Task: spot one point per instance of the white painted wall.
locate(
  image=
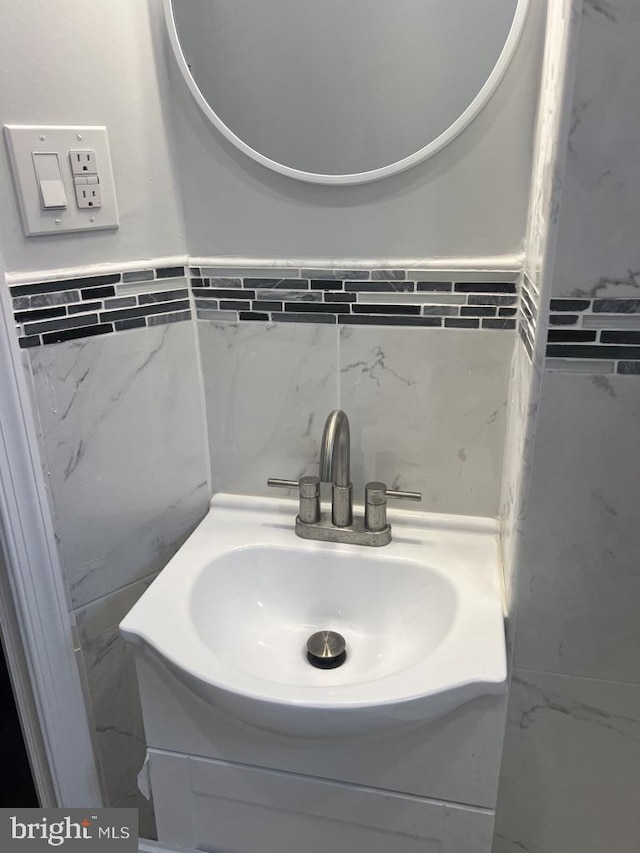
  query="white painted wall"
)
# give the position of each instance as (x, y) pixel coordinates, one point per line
(90, 63)
(469, 200)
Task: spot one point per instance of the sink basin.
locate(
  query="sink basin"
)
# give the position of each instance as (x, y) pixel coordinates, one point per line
(422, 619)
(261, 603)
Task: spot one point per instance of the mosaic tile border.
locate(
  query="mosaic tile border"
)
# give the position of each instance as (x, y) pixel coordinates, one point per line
(49, 312)
(528, 314)
(389, 297)
(596, 335)
(585, 335)
(599, 335)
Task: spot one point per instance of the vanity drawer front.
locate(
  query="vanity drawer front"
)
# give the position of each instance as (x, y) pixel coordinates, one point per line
(228, 808)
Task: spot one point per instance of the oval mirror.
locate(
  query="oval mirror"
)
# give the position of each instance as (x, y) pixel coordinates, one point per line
(343, 91)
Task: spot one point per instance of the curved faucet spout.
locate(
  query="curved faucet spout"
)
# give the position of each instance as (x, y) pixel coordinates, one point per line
(335, 451)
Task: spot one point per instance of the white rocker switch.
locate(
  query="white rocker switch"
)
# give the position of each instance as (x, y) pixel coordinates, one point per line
(49, 178)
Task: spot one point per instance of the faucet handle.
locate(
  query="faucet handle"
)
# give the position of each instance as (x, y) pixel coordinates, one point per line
(309, 488)
(404, 496)
(377, 493)
(278, 483)
(375, 504)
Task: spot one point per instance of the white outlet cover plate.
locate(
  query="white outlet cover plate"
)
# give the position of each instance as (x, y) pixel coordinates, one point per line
(23, 140)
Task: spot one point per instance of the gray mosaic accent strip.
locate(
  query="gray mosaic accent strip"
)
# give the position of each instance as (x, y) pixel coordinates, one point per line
(389, 297)
(528, 314)
(49, 312)
(594, 335)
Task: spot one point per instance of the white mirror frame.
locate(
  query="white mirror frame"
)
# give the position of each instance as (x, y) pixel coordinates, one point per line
(429, 150)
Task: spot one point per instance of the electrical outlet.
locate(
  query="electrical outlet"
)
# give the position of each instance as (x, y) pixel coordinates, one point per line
(83, 162)
(88, 192)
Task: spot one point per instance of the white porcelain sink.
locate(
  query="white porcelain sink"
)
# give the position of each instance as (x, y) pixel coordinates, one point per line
(422, 617)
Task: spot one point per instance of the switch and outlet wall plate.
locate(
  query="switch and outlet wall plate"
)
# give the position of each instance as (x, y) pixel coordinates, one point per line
(83, 155)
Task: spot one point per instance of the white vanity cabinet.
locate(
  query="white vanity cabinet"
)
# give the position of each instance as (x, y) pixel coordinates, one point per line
(223, 786)
(230, 808)
(253, 750)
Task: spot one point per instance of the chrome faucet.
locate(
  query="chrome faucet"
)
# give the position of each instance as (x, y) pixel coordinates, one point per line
(335, 458)
(335, 463)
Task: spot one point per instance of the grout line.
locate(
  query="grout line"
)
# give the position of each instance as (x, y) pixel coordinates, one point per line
(577, 677)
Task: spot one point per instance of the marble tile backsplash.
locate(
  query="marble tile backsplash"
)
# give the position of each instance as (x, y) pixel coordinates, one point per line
(427, 409)
(123, 439)
(267, 391)
(428, 413)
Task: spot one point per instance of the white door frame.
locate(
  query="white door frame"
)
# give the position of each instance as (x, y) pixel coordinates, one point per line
(37, 629)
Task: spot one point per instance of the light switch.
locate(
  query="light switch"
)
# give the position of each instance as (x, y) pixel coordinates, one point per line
(49, 178)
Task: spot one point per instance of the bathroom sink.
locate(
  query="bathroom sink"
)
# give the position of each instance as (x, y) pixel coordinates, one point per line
(231, 613)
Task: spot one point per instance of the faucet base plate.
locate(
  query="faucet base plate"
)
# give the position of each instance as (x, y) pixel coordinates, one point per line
(355, 534)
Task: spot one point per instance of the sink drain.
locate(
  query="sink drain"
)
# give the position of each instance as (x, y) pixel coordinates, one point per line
(326, 649)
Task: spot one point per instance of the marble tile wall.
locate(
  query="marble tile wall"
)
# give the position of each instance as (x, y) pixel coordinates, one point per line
(552, 127)
(427, 407)
(122, 433)
(598, 252)
(580, 576)
(112, 689)
(122, 436)
(569, 778)
(570, 766)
